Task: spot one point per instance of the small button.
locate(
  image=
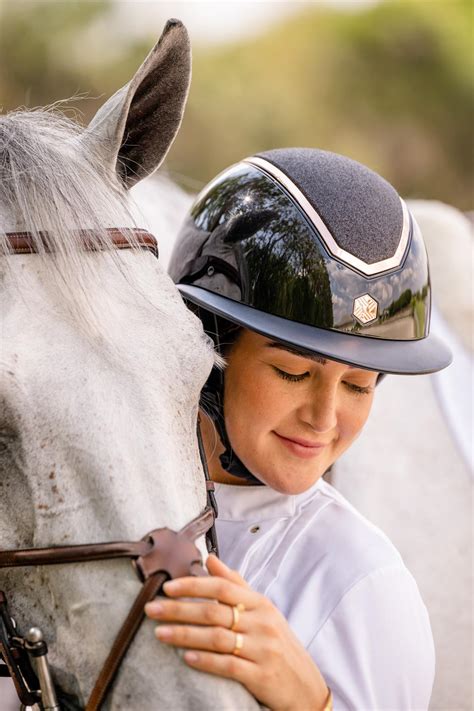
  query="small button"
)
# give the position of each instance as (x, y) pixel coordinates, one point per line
(210, 271)
(255, 529)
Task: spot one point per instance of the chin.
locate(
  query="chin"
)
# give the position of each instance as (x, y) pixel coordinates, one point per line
(289, 485)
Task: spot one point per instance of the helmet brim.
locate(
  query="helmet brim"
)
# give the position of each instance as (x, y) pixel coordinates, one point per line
(415, 357)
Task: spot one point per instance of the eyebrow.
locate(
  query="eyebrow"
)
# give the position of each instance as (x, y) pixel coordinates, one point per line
(302, 354)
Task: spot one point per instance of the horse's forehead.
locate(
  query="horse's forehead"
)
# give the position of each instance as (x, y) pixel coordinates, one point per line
(158, 346)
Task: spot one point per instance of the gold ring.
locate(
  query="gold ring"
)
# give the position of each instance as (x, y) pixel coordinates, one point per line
(328, 704)
(236, 610)
(239, 643)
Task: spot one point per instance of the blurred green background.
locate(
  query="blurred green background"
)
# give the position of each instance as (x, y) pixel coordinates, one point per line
(389, 83)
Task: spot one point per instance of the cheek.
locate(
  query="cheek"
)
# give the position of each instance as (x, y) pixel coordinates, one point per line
(353, 416)
(251, 404)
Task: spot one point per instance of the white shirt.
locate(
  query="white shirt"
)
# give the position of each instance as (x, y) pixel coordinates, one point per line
(341, 585)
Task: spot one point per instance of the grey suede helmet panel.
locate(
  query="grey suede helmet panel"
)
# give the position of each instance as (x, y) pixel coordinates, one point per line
(362, 211)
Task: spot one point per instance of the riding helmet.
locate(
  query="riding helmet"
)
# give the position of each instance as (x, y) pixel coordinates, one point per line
(316, 251)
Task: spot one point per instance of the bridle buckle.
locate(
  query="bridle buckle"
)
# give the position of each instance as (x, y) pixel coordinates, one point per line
(169, 553)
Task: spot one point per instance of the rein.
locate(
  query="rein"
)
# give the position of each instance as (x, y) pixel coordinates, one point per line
(159, 556)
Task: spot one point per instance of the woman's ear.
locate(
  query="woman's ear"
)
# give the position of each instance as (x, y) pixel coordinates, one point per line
(134, 129)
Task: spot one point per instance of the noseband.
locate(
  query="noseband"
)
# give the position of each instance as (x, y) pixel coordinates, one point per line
(161, 555)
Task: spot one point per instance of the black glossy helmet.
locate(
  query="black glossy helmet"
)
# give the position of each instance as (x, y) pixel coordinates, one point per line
(317, 251)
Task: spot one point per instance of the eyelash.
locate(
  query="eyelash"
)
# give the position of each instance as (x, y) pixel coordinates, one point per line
(356, 389)
(288, 376)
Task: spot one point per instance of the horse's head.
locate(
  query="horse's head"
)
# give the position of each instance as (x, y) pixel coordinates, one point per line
(102, 366)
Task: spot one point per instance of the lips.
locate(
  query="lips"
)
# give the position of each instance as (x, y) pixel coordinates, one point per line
(303, 448)
(302, 442)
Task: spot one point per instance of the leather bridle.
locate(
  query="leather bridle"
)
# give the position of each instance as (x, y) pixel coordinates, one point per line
(161, 555)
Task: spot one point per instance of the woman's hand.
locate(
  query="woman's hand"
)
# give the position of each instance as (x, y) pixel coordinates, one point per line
(271, 663)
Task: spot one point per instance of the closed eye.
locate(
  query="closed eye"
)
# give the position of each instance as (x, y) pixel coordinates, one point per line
(290, 376)
(358, 389)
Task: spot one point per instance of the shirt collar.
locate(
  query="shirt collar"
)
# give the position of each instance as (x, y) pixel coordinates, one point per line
(251, 503)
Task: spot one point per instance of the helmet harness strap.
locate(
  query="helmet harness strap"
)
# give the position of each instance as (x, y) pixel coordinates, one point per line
(213, 402)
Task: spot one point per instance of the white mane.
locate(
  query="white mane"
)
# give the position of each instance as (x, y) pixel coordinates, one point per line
(53, 186)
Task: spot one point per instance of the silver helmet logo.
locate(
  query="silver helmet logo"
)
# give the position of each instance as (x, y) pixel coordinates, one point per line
(365, 309)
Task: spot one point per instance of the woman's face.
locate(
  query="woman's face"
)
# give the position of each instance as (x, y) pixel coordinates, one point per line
(290, 416)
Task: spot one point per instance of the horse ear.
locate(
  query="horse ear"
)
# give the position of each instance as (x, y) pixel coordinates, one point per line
(134, 129)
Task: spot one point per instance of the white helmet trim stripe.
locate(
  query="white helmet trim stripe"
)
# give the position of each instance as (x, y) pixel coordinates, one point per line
(368, 269)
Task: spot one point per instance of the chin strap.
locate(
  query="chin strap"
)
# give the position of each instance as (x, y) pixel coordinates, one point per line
(212, 402)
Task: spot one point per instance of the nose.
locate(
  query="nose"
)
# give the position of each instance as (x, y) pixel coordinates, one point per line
(319, 410)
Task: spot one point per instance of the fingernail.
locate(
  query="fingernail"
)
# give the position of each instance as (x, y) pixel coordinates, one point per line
(163, 632)
(171, 586)
(153, 608)
(191, 657)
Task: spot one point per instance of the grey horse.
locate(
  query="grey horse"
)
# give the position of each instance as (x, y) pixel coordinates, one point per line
(101, 370)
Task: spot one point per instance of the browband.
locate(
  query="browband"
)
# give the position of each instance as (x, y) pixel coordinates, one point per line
(26, 242)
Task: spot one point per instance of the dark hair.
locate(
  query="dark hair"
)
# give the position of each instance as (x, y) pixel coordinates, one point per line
(223, 332)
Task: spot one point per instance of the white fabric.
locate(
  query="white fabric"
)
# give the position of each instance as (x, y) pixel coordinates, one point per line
(454, 389)
(341, 585)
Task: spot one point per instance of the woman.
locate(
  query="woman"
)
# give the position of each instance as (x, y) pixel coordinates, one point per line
(311, 277)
